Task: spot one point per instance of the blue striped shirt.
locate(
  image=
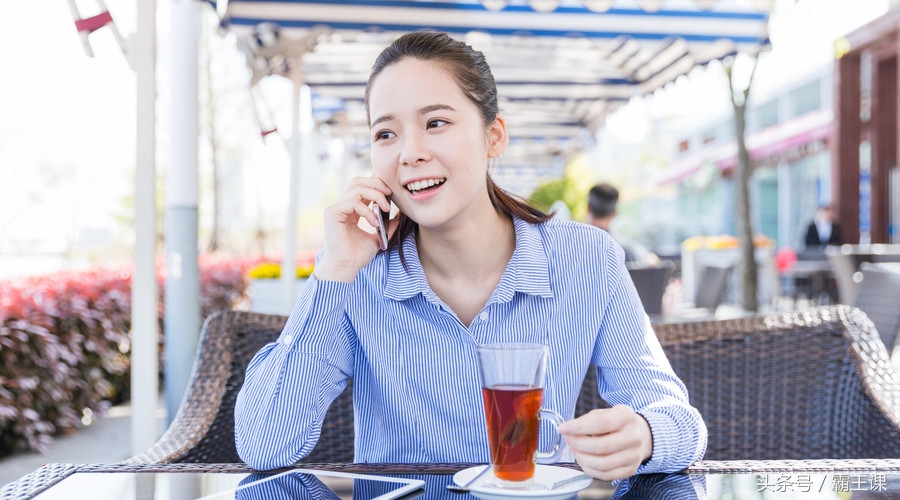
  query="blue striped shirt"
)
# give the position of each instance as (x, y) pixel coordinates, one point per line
(417, 395)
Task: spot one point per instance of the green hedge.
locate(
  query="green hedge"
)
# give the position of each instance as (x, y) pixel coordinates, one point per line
(65, 344)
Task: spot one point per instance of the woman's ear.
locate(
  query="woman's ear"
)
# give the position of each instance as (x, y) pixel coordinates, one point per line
(498, 136)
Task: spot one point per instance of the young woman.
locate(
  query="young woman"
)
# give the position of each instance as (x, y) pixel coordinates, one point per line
(466, 264)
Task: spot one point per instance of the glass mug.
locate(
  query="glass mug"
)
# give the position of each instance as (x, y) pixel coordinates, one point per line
(512, 381)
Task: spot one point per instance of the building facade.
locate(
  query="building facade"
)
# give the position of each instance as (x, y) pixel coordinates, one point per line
(865, 147)
(788, 135)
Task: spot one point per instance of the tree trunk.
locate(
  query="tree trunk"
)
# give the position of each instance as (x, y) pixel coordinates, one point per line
(742, 175)
(214, 237)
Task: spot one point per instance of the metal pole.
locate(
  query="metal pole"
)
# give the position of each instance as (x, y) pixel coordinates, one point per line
(182, 293)
(144, 323)
(301, 159)
(288, 265)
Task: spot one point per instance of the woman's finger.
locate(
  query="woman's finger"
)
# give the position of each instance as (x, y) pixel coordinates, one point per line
(368, 194)
(609, 467)
(594, 445)
(595, 422)
(372, 183)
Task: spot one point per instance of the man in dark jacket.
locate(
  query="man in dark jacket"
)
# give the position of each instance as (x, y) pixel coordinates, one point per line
(822, 230)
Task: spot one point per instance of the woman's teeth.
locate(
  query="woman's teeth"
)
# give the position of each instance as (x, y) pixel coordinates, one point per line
(417, 186)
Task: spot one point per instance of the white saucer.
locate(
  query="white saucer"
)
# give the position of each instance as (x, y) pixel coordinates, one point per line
(544, 477)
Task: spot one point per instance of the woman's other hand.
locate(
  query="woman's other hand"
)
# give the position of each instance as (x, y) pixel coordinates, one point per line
(348, 247)
(609, 443)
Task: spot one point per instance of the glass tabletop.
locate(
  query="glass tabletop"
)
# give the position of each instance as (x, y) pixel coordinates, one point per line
(210, 483)
(141, 486)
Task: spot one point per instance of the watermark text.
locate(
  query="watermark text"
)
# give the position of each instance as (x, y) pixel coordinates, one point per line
(805, 483)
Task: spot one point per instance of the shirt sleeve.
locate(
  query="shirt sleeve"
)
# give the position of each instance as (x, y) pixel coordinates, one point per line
(634, 371)
(290, 383)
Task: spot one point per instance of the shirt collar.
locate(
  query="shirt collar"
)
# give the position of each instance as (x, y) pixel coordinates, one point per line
(528, 270)
(405, 283)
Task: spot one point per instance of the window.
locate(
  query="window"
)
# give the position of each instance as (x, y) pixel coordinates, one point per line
(764, 115)
(806, 98)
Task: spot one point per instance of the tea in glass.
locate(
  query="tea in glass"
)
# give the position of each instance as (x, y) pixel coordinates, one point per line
(512, 377)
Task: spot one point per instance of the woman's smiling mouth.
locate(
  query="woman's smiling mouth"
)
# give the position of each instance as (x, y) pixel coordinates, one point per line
(417, 187)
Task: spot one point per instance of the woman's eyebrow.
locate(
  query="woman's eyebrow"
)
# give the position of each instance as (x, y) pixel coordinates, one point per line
(435, 107)
(380, 119)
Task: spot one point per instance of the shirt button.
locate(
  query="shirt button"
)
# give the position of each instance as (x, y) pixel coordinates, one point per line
(483, 316)
(288, 338)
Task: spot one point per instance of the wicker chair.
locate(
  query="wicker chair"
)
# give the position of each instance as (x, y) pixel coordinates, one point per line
(877, 295)
(711, 288)
(651, 282)
(810, 384)
(203, 428)
(844, 265)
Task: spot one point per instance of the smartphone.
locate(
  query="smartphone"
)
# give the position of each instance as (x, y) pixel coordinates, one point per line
(382, 223)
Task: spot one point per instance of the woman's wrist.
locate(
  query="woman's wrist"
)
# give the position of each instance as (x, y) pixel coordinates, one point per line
(647, 442)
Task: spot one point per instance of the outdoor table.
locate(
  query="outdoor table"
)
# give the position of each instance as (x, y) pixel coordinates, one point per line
(818, 273)
(706, 479)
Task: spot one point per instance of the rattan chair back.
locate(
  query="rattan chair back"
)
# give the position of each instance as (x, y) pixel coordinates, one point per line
(843, 266)
(651, 283)
(877, 295)
(711, 288)
(203, 429)
(812, 384)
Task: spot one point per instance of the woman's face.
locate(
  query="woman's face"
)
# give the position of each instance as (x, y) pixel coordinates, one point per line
(429, 143)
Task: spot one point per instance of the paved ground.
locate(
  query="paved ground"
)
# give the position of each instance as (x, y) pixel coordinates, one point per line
(106, 440)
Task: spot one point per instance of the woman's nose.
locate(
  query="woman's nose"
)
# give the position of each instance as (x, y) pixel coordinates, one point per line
(414, 151)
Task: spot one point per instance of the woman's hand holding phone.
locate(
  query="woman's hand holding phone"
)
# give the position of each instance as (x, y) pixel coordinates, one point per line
(347, 246)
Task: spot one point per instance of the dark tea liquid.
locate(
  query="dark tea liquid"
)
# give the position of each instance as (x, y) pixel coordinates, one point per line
(512, 425)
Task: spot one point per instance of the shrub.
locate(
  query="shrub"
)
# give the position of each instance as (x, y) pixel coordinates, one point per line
(65, 344)
(268, 269)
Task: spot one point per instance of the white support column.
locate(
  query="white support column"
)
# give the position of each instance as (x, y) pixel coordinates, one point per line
(299, 146)
(182, 293)
(144, 324)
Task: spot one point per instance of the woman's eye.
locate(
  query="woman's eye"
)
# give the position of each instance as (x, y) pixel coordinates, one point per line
(383, 134)
(436, 123)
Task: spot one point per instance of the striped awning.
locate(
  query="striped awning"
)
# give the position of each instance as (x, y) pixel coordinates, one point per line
(561, 66)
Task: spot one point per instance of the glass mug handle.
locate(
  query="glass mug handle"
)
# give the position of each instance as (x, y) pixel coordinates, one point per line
(555, 419)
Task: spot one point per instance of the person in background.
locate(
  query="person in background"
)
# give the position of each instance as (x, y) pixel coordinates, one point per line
(822, 230)
(602, 201)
